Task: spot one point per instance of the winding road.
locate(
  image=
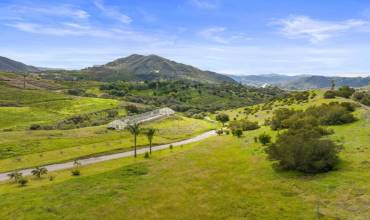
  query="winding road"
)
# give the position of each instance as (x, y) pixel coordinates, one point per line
(98, 159)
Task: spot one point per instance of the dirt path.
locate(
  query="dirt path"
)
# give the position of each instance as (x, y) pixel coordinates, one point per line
(97, 159)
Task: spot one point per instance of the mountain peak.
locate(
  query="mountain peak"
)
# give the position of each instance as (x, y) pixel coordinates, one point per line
(152, 67)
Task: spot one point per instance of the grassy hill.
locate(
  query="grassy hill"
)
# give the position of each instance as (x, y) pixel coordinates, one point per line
(223, 177)
(20, 108)
(8, 65)
(151, 67)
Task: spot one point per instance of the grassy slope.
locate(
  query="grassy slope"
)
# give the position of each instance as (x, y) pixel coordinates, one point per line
(42, 107)
(218, 178)
(31, 148)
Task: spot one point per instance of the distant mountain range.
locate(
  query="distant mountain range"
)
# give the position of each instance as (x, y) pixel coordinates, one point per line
(300, 81)
(151, 67)
(8, 65)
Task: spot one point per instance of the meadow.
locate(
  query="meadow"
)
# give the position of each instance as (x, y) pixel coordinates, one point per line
(19, 109)
(223, 177)
(21, 149)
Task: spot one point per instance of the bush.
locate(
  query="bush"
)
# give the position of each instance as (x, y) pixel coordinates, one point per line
(35, 127)
(362, 97)
(330, 94)
(303, 150)
(75, 172)
(279, 116)
(132, 109)
(237, 132)
(219, 132)
(244, 125)
(171, 147)
(264, 139)
(23, 181)
(345, 91)
(146, 155)
(76, 92)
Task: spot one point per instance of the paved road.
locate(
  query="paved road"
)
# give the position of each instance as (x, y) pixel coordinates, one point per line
(97, 159)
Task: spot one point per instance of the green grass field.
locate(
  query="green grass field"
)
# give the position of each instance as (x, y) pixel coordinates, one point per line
(223, 177)
(21, 149)
(43, 107)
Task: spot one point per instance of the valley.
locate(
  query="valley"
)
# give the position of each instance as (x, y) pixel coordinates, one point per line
(209, 160)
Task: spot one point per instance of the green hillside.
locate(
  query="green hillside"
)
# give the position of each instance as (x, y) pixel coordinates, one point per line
(223, 177)
(152, 67)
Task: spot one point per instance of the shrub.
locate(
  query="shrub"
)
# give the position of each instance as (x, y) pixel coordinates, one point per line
(349, 106)
(146, 155)
(303, 150)
(171, 147)
(219, 132)
(51, 178)
(112, 113)
(244, 125)
(35, 127)
(22, 182)
(264, 139)
(330, 94)
(237, 132)
(75, 172)
(362, 97)
(345, 91)
(279, 116)
(358, 96)
(132, 109)
(76, 92)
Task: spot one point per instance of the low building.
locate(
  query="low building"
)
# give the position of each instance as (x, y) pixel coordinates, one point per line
(121, 124)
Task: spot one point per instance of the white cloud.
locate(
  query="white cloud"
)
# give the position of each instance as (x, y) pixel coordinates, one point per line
(57, 10)
(65, 29)
(219, 35)
(205, 4)
(78, 30)
(317, 30)
(112, 12)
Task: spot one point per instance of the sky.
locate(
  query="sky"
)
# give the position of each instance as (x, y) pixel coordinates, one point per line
(243, 37)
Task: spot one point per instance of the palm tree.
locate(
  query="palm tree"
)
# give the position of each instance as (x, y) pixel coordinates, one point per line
(150, 134)
(135, 131)
(15, 175)
(39, 171)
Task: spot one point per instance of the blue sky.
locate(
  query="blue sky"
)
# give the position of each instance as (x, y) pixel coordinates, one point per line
(328, 37)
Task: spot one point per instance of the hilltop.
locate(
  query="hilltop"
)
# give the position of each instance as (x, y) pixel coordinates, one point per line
(8, 65)
(152, 67)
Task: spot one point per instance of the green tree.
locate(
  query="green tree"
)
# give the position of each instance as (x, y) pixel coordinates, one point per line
(237, 132)
(264, 139)
(135, 131)
(15, 176)
(150, 134)
(39, 171)
(223, 118)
